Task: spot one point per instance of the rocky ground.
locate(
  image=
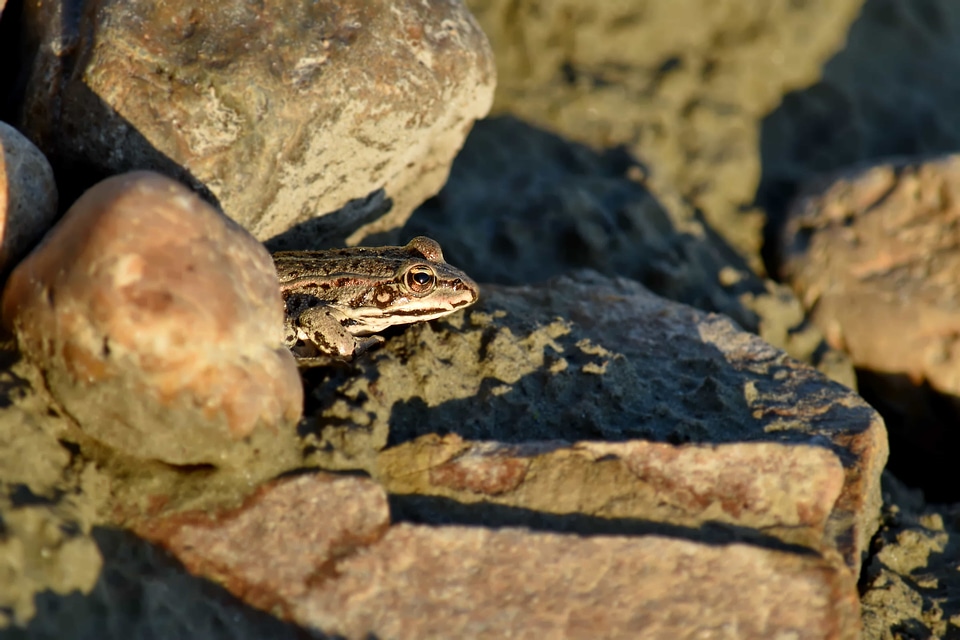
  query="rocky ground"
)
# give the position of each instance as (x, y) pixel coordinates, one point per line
(697, 226)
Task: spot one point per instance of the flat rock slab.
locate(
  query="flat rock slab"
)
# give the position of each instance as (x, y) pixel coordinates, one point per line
(326, 560)
(628, 487)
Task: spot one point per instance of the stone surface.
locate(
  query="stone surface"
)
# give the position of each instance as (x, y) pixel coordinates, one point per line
(592, 358)
(327, 560)
(299, 526)
(687, 95)
(157, 323)
(910, 586)
(523, 205)
(457, 582)
(789, 493)
(143, 592)
(890, 91)
(880, 241)
(46, 520)
(281, 112)
(28, 196)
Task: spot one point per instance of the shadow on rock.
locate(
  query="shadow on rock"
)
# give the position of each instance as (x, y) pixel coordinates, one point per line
(436, 510)
(523, 205)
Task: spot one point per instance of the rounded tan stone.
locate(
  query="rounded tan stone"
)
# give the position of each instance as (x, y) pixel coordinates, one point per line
(28, 195)
(874, 253)
(880, 243)
(157, 322)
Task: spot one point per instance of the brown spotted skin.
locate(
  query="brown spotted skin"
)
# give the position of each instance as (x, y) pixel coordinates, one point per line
(336, 298)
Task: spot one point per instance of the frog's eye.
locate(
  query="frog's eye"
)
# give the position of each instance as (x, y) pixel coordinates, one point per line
(420, 278)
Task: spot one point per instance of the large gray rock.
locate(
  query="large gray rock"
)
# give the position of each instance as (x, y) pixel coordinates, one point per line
(281, 112)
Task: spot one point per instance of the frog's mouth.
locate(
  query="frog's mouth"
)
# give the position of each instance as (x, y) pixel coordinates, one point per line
(368, 320)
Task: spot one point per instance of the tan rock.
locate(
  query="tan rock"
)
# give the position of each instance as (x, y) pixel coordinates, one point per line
(880, 242)
(28, 195)
(157, 323)
(282, 112)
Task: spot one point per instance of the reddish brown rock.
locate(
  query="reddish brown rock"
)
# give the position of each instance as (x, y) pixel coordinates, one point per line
(28, 195)
(282, 540)
(283, 111)
(318, 550)
(421, 582)
(157, 323)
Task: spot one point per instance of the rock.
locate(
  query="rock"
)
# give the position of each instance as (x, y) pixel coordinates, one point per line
(597, 359)
(327, 561)
(689, 96)
(910, 583)
(157, 323)
(789, 495)
(28, 196)
(300, 525)
(281, 113)
(452, 581)
(545, 206)
(880, 241)
(40, 553)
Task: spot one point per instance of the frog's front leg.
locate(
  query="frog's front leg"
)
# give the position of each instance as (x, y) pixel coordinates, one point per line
(322, 332)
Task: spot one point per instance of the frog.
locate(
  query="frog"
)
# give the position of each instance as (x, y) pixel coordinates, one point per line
(338, 301)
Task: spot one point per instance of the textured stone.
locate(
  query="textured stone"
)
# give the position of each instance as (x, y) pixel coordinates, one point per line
(282, 112)
(524, 205)
(326, 559)
(44, 520)
(158, 325)
(421, 582)
(28, 195)
(684, 85)
(880, 241)
(789, 493)
(909, 587)
(592, 358)
(298, 526)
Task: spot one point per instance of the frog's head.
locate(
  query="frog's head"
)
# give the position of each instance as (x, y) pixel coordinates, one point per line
(422, 287)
